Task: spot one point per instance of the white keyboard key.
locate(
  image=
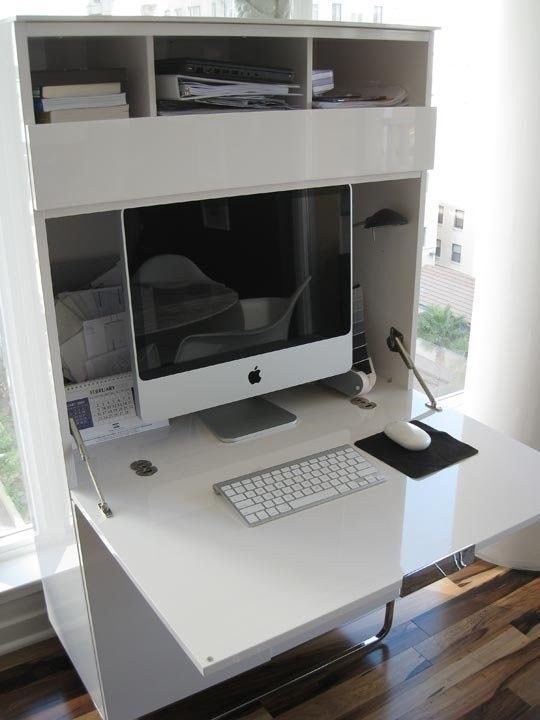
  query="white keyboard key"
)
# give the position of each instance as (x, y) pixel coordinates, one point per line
(244, 503)
(283, 508)
(368, 471)
(272, 512)
(237, 498)
(312, 499)
(251, 518)
(251, 509)
(262, 515)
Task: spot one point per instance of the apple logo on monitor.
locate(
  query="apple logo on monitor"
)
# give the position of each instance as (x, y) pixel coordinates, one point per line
(254, 376)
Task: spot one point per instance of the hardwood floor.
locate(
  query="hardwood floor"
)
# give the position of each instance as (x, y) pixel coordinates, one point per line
(465, 648)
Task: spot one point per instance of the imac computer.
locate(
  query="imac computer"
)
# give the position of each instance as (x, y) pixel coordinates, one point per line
(236, 297)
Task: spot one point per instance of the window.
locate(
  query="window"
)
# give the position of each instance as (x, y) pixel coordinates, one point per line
(195, 10)
(14, 512)
(458, 219)
(438, 248)
(315, 12)
(440, 218)
(377, 13)
(336, 12)
(456, 253)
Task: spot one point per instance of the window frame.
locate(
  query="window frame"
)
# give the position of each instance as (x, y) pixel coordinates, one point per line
(440, 215)
(459, 219)
(458, 253)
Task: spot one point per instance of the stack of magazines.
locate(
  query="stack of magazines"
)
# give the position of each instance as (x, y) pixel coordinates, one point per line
(372, 95)
(195, 85)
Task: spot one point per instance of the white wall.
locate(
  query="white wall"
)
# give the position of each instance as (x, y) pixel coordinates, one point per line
(503, 381)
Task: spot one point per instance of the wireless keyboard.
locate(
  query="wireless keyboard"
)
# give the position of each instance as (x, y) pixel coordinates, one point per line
(285, 489)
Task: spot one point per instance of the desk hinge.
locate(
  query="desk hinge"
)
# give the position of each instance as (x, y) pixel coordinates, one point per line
(81, 447)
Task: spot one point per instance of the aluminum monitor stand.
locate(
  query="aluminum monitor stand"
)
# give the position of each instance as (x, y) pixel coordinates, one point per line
(246, 419)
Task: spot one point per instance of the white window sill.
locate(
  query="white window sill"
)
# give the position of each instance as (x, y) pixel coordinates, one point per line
(18, 561)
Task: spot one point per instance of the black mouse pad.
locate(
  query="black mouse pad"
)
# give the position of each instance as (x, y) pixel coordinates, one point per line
(444, 451)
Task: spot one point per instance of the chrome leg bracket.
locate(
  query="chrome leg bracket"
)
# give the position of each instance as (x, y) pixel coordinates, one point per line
(366, 645)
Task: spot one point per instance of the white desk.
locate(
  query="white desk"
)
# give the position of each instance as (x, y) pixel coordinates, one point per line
(238, 594)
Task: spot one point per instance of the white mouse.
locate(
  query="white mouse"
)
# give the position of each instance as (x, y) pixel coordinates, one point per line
(409, 436)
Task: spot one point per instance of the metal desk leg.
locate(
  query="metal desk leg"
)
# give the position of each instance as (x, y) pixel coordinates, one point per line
(366, 645)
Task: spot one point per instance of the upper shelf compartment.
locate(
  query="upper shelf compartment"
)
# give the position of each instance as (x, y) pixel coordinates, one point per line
(358, 63)
(289, 53)
(86, 59)
(121, 161)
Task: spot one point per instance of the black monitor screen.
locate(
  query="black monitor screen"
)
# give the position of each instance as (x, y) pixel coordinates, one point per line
(212, 281)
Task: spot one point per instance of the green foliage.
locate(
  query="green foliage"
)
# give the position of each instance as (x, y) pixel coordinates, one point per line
(10, 467)
(440, 326)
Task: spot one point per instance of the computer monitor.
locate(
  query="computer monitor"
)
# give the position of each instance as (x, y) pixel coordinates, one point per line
(236, 297)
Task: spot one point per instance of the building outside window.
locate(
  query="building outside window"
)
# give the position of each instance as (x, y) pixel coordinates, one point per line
(438, 248)
(336, 12)
(315, 12)
(377, 13)
(440, 217)
(195, 10)
(456, 253)
(459, 217)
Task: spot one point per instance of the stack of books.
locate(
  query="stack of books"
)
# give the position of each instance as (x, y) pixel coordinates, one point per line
(73, 95)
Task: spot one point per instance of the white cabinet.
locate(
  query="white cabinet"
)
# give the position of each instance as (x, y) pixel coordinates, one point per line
(63, 189)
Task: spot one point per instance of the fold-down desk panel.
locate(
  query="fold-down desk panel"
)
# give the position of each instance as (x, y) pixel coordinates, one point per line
(122, 161)
(228, 592)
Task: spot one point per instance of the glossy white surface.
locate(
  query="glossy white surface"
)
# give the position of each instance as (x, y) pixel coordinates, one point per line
(109, 161)
(227, 591)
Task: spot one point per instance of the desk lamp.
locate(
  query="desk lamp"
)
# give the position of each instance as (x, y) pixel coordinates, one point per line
(382, 218)
(395, 344)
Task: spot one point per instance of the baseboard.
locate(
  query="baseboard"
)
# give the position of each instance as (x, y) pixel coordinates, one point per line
(23, 618)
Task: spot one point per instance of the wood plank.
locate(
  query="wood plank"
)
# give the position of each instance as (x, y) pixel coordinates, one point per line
(476, 689)
(457, 639)
(44, 649)
(73, 708)
(526, 683)
(346, 696)
(438, 680)
(532, 714)
(473, 600)
(504, 705)
(27, 700)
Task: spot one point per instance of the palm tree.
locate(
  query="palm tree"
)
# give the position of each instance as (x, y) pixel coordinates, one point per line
(440, 326)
